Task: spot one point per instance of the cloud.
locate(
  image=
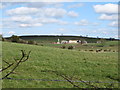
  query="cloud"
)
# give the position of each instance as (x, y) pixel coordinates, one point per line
(41, 12)
(62, 29)
(108, 17)
(48, 12)
(21, 19)
(2, 6)
(24, 25)
(45, 20)
(114, 24)
(44, 4)
(54, 12)
(11, 4)
(30, 25)
(76, 5)
(11, 32)
(28, 21)
(7, 24)
(108, 12)
(32, 4)
(22, 11)
(83, 22)
(36, 4)
(38, 1)
(106, 8)
(37, 24)
(95, 24)
(28, 17)
(59, 5)
(72, 14)
(62, 22)
(35, 17)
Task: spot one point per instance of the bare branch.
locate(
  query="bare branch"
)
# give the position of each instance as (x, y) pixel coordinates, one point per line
(66, 78)
(6, 67)
(16, 59)
(87, 83)
(26, 57)
(6, 62)
(17, 63)
(69, 79)
(63, 76)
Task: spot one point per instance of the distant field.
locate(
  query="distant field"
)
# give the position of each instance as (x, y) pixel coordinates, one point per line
(112, 45)
(92, 45)
(50, 39)
(89, 66)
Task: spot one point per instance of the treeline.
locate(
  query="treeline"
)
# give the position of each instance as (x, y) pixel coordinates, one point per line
(53, 38)
(17, 39)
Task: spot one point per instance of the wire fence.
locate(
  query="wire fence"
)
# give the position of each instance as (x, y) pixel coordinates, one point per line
(29, 79)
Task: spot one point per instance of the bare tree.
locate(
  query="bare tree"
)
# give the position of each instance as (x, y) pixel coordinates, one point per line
(24, 57)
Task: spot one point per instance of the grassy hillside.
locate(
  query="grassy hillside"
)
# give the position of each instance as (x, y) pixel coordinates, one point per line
(89, 66)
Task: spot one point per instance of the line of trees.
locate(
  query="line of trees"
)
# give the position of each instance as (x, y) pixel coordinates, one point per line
(17, 39)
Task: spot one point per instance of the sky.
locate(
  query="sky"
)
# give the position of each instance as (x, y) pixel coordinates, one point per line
(93, 19)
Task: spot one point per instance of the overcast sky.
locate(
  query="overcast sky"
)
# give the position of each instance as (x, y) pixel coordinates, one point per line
(55, 18)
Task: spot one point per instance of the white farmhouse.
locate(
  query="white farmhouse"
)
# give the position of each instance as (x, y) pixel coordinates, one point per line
(74, 41)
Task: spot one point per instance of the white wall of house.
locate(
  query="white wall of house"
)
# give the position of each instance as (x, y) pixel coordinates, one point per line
(73, 41)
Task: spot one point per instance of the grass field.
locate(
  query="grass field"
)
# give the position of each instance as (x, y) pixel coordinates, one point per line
(112, 45)
(88, 66)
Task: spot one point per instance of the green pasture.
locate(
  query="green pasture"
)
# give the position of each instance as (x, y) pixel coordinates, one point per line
(88, 66)
(112, 45)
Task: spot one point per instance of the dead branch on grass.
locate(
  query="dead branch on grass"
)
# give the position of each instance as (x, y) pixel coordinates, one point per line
(17, 62)
(69, 79)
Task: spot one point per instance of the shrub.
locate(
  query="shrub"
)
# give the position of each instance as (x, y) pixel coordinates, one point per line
(70, 47)
(63, 47)
(22, 41)
(14, 38)
(111, 45)
(42, 45)
(32, 42)
(2, 39)
(36, 43)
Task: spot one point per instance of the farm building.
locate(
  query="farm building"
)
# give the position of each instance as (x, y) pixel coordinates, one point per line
(64, 42)
(74, 41)
(78, 41)
(71, 41)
